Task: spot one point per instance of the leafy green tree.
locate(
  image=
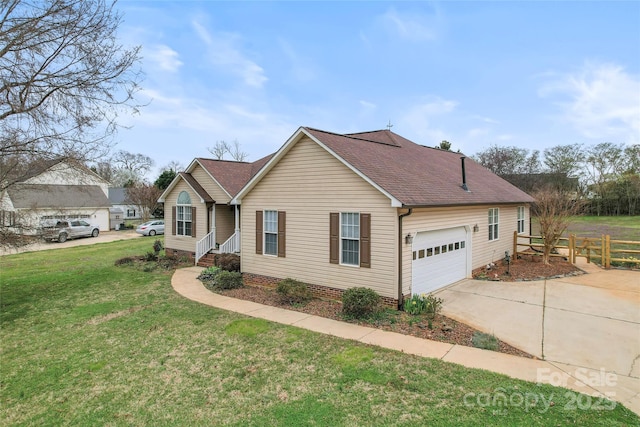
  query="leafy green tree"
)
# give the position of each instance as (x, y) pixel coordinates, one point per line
(165, 179)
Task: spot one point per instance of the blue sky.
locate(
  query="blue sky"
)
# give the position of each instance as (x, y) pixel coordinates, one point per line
(526, 74)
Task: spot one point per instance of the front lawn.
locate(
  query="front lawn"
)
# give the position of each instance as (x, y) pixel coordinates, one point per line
(87, 343)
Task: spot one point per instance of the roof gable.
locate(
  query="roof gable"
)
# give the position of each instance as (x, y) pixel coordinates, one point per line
(408, 173)
(230, 176)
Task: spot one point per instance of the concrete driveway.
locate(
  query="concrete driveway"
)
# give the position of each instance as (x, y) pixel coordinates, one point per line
(588, 325)
(105, 236)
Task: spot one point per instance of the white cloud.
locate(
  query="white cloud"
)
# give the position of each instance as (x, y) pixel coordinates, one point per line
(367, 105)
(412, 26)
(164, 58)
(301, 69)
(602, 101)
(222, 50)
(417, 120)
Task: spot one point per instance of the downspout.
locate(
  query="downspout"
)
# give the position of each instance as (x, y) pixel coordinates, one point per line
(400, 246)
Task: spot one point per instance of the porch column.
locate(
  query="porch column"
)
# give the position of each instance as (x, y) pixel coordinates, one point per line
(213, 222)
(237, 219)
(237, 229)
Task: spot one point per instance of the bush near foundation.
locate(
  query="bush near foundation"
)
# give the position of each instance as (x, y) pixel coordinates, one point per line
(360, 302)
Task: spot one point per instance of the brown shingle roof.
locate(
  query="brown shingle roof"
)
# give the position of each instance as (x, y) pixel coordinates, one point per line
(232, 176)
(196, 187)
(417, 175)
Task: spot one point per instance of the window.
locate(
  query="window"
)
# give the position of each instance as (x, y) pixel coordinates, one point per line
(493, 223)
(271, 232)
(183, 215)
(7, 218)
(271, 227)
(520, 219)
(132, 212)
(350, 238)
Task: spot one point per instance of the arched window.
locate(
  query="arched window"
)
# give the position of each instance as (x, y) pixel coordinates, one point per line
(183, 214)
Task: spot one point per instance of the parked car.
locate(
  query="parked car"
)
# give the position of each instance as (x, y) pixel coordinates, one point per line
(151, 228)
(64, 229)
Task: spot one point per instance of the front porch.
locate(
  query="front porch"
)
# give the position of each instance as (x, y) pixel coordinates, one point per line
(220, 228)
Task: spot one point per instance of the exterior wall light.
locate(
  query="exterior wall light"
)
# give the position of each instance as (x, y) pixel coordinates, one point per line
(408, 239)
(476, 228)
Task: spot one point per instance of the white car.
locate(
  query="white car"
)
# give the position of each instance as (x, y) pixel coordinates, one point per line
(151, 228)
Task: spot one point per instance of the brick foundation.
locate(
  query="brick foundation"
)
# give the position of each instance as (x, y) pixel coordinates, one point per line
(323, 292)
(178, 253)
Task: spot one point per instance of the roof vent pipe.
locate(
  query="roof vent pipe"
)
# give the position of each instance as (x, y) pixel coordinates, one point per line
(464, 175)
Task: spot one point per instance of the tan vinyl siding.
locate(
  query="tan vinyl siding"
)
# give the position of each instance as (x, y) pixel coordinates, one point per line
(184, 243)
(210, 186)
(225, 223)
(308, 184)
(483, 251)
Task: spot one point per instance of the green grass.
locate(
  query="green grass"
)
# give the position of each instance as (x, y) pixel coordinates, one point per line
(87, 343)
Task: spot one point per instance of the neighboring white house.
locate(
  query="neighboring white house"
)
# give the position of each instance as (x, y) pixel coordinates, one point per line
(119, 200)
(59, 189)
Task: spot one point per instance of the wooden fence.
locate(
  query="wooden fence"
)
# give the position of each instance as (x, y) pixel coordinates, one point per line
(602, 250)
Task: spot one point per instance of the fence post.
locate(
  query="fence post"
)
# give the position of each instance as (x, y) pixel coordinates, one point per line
(608, 248)
(515, 245)
(572, 248)
(603, 252)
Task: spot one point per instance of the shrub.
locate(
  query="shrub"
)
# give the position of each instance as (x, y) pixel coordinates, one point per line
(360, 302)
(228, 280)
(292, 291)
(150, 256)
(423, 304)
(485, 341)
(228, 262)
(208, 274)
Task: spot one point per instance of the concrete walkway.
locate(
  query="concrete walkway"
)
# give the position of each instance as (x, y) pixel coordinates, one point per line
(625, 390)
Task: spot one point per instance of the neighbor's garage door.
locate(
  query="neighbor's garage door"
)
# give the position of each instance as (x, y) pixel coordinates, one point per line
(439, 259)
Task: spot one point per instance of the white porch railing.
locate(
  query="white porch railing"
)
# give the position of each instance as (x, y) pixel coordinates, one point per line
(232, 245)
(205, 244)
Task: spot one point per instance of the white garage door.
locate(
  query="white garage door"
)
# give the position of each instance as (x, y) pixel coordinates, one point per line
(439, 259)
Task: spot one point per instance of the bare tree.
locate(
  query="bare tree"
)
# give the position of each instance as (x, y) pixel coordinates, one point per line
(174, 166)
(64, 78)
(219, 150)
(236, 153)
(566, 159)
(554, 209)
(130, 168)
(509, 160)
(234, 150)
(144, 197)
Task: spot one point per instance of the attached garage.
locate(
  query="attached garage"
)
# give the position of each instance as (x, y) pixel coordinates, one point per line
(440, 258)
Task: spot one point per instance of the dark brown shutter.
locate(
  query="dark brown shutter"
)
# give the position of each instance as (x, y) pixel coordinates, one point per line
(173, 220)
(282, 230)
(259, 232)
(193, 221)
(334, 238)
(365, 240)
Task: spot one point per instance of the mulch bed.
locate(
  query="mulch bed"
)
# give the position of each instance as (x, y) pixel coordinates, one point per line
(527, 267)
(444, 329)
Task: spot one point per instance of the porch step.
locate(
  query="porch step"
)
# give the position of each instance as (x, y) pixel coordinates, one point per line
(207, 260)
